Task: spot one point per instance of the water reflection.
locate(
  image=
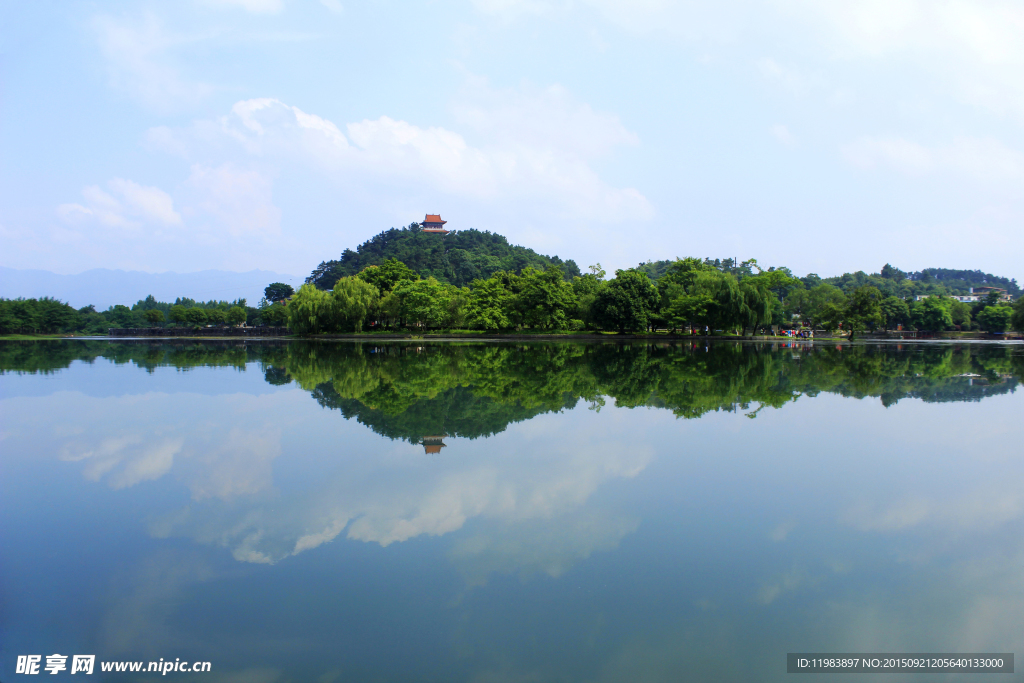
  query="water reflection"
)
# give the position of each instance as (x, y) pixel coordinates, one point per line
(422, 393)
(492, 512)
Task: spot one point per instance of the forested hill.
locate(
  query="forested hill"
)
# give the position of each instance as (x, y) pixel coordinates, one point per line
(962, 280)
(890, 280)
(458, 257)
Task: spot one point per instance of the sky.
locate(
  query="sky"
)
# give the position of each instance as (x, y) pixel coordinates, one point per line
(827, 137)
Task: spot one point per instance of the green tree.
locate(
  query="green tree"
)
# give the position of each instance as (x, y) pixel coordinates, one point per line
(387, 275)
(932, 314)
(894, 312)
(586, 288)
(1017, 319)
(488, 304)
(996, 318)
(178, 314)
(960, 312)
(815, 304)
(311, 311)
(236, 315)
(354, 299)
(154, 316)
(627, 302)
(423, 303)
(216, 316)
(830, 316)
(278, 291)
(120, 316)
(863, 309)
(545, 299)
(686, 309)
(195, 316)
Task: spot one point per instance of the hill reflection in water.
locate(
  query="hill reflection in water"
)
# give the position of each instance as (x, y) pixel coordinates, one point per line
(420, 392)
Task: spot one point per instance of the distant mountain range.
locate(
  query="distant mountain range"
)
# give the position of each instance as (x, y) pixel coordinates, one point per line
(103, 288)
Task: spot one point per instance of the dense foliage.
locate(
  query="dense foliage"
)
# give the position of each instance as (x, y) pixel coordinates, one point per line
(694, 295)
(408, 391)
(457, 258)
(50, 316)
(890, 281)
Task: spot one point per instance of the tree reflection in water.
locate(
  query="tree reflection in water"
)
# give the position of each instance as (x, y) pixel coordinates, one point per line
(423, 391)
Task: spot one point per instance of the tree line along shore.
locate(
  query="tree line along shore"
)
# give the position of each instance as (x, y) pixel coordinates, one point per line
(684, 295)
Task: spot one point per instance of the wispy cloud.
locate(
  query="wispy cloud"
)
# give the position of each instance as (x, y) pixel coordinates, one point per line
(135, 205)
(983, 158)
(528, 144)
(138, 59)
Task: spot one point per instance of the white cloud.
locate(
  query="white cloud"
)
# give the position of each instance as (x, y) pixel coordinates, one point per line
(139, 459)
(137, 205)
(972, 50)
(255, 6)
(534, 546)
(437, 500)
(983, 158)
(149, 203)
(334, 6)
(138, 62)
(533, 145)
(239, 199)
(979, 509)
(547, 118)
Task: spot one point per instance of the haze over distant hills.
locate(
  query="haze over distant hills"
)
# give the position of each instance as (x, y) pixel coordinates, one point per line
(102, 287)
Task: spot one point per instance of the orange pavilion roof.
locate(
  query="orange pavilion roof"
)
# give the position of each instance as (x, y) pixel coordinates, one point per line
(434, 218)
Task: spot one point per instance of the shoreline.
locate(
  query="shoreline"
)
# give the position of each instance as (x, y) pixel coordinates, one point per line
(518, 336)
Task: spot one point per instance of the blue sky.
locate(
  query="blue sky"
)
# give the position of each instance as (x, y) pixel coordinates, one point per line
(242, 134)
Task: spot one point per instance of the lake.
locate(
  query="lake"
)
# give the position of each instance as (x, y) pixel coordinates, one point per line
(492, 512)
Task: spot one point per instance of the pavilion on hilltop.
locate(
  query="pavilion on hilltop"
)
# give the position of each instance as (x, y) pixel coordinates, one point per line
(433, 444)
(433, 223)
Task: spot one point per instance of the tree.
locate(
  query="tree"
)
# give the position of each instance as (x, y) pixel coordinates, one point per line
(236, 315)
(273, 314)
(830, 316)
(421, 302)
(45, 315)
(216, 316)
(154, 316)
(996, 318)
(178, 314)
(311, 311)
(688, 309)
(278, 291)
(1017, 319)
(862, 309)
(354, 298)
(627, 302)
(817, 303)
(195, 316)
(894, 312)
(120, 316)
(387, 275)
(961, 314)
(932, 314)
(488, 304)
(892, 273)
(544, 299)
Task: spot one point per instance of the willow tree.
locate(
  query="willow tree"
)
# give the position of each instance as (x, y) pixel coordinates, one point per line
(354, 299)
(311, 311)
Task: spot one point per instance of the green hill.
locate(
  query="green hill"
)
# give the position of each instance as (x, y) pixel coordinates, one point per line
(890, 280)
(458, 257)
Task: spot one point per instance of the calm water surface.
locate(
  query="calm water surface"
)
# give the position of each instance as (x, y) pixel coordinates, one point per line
(496, 512)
